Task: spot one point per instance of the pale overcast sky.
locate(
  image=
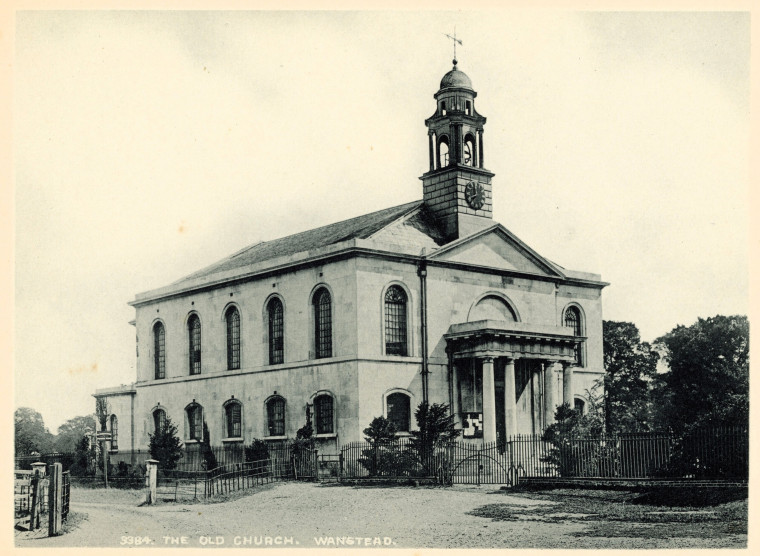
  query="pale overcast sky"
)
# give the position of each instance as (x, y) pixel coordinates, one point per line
(148, 145)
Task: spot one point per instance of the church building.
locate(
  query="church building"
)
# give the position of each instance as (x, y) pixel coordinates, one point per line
(427, 301)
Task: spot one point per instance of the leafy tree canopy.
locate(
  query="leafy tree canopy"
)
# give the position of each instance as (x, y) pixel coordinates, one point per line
(71, 432)
(380, 430)
(630, 366)
(31, 435)
(708, 378)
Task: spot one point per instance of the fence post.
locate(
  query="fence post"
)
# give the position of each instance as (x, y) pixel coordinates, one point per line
(150, 480)
(316, 467)
(55, 500)
(38, 471)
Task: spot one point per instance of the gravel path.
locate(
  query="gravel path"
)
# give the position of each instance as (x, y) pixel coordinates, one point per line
(303, 512)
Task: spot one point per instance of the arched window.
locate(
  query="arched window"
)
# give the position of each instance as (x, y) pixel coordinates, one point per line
(194, 332)
(323, 408)
(443, 152)
(159, 421)
(114, 433)
(233, 419)
(194, 413)
(276, 322)
(276, 416)
(159, 350)
(395, 321)
(322, 323)
(399, 411)
(469, 151)
(573, 321)
(233, 338)
(580, 406)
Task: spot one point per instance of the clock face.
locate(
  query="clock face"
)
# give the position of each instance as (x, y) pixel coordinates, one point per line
(475, 195)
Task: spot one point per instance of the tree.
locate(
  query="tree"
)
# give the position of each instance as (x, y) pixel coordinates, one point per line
(435, 428)
(31, 435)
(630, 366)
(102, 411)
(209, 459)
(569, 425)
(165, 445)
(381, 458)
(71, 432)
(707, 382)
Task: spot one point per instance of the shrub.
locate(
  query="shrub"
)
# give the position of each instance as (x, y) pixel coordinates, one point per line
(209, 459)
(165, 445)
(257, 454)
(379, 458)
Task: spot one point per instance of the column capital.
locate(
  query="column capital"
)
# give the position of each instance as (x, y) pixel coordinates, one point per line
(487, 358)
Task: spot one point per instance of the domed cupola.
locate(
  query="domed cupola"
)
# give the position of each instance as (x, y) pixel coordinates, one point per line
(457, 188)
(456, 79)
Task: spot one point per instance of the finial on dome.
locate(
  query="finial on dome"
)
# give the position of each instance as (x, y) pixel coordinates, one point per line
(455, 40)
(455, 63)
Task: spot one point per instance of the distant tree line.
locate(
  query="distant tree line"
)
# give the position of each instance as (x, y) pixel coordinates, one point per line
(692, 377)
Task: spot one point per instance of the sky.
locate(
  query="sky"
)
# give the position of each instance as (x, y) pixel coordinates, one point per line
(148, 145)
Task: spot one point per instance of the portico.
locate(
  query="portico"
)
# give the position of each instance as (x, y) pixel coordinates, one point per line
(507, 378)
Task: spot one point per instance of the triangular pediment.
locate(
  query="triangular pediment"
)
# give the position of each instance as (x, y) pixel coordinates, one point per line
(496, 247)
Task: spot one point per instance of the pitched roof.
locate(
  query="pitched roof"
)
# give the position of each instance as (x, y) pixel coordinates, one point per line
(360, 227)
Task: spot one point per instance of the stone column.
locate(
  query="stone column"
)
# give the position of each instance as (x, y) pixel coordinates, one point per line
(455, 389)
(480, 146)
(567, 384)
(489, 401)
(510, 403)
(550, 401)
(430, 148)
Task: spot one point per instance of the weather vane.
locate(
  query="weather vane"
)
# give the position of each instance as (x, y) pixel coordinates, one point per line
(456, 40)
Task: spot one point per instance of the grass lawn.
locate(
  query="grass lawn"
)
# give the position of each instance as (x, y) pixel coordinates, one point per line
(655, 514)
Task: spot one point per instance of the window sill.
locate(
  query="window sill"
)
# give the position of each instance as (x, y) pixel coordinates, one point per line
(235, 439)
(192, 441)
(275, 438)
(326, 435)
(113, 451)
(403, 434)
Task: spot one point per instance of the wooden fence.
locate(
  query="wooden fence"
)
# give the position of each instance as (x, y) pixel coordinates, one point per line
(37, 493)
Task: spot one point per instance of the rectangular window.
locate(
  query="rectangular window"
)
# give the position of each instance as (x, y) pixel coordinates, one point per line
(233, 421)
(323, 322)
(276, 417)
(195, 422)
(324, 414)
(275, 332)
(399, 411)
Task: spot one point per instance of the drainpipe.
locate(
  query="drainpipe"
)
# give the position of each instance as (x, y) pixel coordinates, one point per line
(422, 273)
(450, 356)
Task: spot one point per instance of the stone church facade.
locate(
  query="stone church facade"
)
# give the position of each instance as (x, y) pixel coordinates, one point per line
(431, 300)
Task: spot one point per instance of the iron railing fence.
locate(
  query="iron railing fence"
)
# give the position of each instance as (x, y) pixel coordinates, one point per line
(65, 494)
(283, 463)
(718, 452)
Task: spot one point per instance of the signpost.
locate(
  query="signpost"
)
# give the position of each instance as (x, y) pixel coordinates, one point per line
(103, 437)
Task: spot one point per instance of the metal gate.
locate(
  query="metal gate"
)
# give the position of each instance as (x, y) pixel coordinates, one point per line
(481, 464)
(329, 467)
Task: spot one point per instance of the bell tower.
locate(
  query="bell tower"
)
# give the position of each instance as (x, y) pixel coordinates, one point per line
(457, 188)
